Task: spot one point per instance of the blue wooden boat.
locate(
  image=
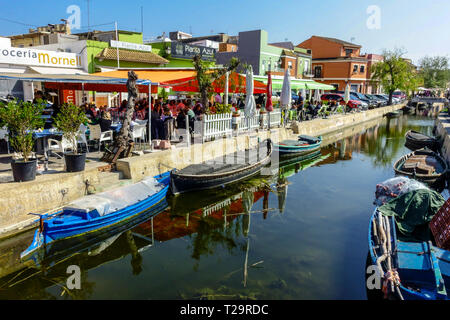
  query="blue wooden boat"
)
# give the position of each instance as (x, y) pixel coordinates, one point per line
(304, 145)
(86, 217)
(423, 269)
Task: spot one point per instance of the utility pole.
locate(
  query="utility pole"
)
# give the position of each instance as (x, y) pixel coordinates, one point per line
(142, 20)
(89, 28)
(117, 48)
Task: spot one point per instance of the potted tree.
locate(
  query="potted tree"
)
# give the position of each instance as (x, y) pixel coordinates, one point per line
(22, 118)
(68, 121)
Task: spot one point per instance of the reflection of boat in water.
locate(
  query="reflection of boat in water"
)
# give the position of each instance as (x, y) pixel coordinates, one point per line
(291, 166)
(187, 211)
(113, 244)
(218, 173)
(83, 219)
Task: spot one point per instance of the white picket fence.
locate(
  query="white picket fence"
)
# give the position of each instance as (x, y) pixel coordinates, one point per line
(248, 123)
(274, 118)
(220, 125)
(216, 125)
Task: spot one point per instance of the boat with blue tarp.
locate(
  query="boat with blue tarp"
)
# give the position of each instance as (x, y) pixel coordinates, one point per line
(83, 219)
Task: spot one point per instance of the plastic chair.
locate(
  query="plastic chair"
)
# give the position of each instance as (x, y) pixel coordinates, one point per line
(81, 138)
(4, 136)
(62, 146)
(97, 134)
(139, 132)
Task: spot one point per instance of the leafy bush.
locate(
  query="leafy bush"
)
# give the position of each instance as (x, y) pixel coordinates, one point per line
(68, 121)
(22, 118)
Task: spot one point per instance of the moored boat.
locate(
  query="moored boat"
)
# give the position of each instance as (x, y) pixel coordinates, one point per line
(218, 173)
(87, 216)
(424, 165)
(304, 145)
(407, 265)
(416, 140)
(393, 114)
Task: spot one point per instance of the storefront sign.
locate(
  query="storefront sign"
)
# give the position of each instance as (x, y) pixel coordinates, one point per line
(33, 57)
(69, 96)
(130, 46)
(188, 51)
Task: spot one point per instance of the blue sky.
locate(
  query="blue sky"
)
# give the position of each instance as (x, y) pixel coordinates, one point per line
(421, 27)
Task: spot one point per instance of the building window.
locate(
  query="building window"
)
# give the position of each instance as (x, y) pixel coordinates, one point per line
(355, 68)
(335, 85)
(361, 69)
(348, 51)
(318, 72)
(290, 64)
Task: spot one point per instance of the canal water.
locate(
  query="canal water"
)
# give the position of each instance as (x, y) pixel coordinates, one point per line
(299, 234)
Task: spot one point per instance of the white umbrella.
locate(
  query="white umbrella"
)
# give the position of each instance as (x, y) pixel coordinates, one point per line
(250, 103)
(286, 93)
(347, 93)
(317, 95)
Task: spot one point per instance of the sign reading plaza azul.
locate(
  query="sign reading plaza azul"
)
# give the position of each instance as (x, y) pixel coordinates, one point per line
(188, 51)
(33, 57)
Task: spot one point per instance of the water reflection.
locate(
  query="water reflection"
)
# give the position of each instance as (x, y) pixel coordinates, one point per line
(292, 235)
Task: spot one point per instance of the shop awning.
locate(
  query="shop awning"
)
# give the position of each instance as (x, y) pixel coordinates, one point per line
(51, 70)
(80, 82)
(236, 84)
(296, 84)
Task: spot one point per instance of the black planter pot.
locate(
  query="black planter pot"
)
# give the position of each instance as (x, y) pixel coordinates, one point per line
(75, 162)
(24, 171)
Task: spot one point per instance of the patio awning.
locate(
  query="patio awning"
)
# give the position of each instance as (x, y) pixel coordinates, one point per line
(236, 84)
(80, 82)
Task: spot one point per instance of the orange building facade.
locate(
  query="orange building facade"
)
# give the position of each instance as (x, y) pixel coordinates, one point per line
(338, 63)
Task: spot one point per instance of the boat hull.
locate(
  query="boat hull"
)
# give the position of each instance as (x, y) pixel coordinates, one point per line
(416, 263)
(182, 183)
(415, 140)
(87, 229)
(297, 150)
(433, 180)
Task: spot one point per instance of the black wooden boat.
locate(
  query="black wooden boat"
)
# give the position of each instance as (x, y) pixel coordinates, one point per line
(409, 110)
(416, 140)
(393, 114)
(218, 173)
(424, 165)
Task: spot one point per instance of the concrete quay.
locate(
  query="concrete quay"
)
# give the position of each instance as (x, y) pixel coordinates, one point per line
(53, 191)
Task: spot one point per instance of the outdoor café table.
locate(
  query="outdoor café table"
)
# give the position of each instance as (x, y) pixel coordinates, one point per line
(41, 138)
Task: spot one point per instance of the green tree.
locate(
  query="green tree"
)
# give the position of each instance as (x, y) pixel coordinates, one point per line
(394, 73)
(435, 71)
(68, 121)
(205, 76)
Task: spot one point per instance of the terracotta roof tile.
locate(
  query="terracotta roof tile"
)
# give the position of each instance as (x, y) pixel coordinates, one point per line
(131, 56)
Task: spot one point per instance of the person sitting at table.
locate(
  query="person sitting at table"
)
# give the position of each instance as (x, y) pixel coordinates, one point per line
(105, 120)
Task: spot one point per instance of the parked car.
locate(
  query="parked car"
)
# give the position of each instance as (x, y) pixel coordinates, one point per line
(366, 103)
(394, 99)
(339, 98)
(378, 101)
(385, 97)
(400, 95)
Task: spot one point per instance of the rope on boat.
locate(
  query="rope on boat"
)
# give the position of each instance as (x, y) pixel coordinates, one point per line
(391, 278)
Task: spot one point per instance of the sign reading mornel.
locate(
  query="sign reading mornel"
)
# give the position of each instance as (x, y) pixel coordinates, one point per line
(34, 57)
